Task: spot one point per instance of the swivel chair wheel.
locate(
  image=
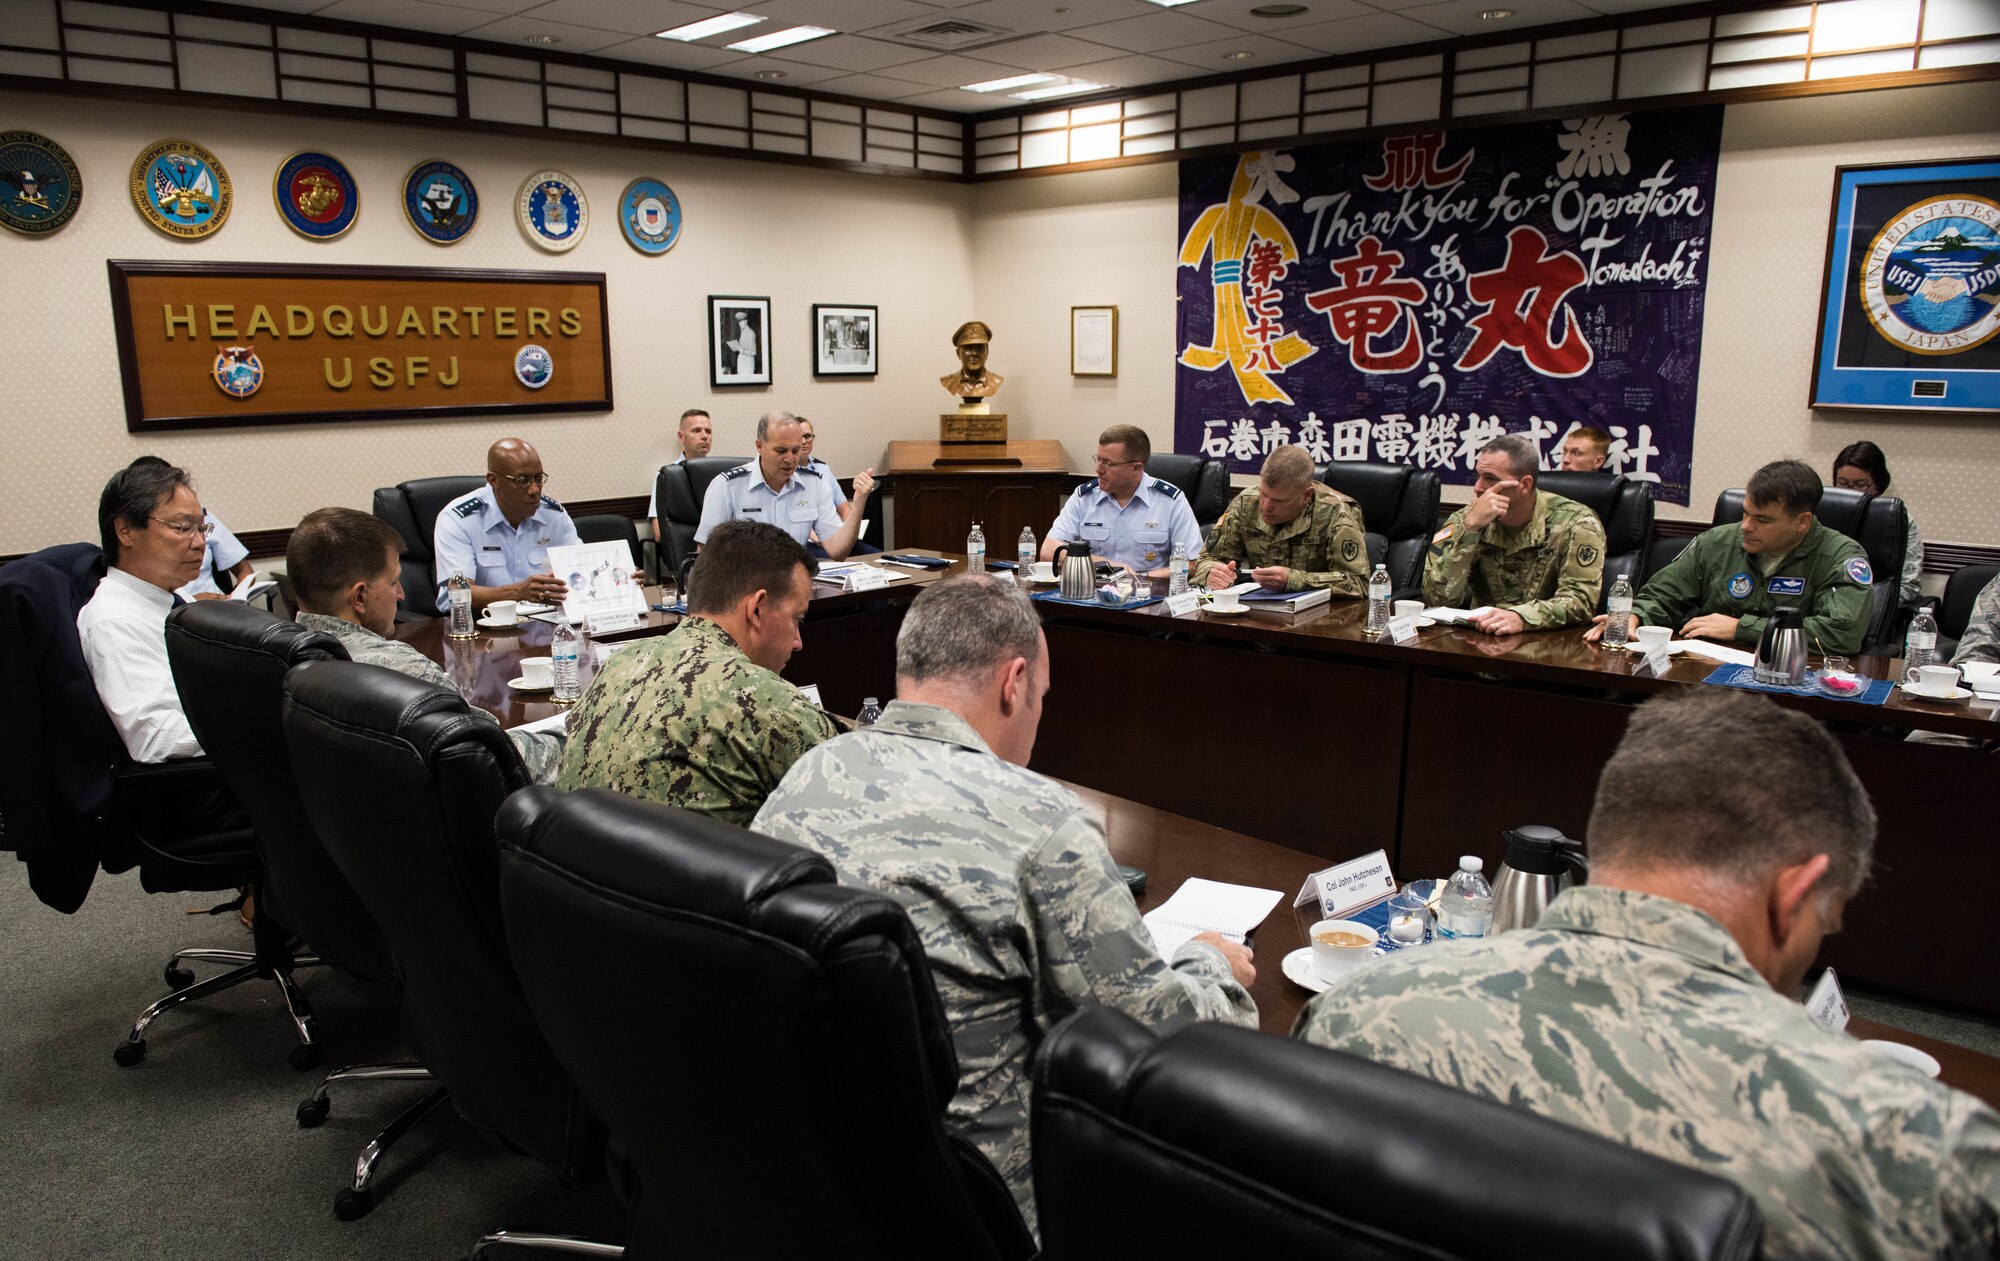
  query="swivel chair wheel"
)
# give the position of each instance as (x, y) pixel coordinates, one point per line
(303, 1056)
(129, 1053)
(179, 978)
(351, 1205)
(313, 1111)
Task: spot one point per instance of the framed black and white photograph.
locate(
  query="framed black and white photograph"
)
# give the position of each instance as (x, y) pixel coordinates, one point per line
(843, 341)
(1093, 341)
(739, 341)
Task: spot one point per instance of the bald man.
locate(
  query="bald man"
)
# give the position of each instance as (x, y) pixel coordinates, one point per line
(499, 536)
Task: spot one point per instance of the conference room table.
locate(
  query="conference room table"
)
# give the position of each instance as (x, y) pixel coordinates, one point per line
(1304, 731)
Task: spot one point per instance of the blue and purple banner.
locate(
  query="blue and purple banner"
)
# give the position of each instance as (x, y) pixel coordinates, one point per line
(1407, 298)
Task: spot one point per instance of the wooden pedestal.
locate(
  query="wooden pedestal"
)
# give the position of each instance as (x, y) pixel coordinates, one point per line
(941, 489)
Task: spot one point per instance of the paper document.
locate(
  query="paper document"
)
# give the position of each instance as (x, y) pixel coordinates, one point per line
(845, 575)
(252, 586)
(1202, 906)
(600, 580)
(1714, 652)
(1455, 617)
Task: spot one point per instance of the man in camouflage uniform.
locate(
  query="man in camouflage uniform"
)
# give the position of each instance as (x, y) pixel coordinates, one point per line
(1004, 873)
(1981, 641)
(1730, 580)
(346, 571)
(699, 718)
(1533, 560)
(1291, 533)
(1655, 1005)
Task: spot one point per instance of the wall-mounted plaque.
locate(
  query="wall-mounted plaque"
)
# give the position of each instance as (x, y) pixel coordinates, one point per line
(209, 344)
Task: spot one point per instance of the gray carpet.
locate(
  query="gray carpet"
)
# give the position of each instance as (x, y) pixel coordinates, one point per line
(196, 1151)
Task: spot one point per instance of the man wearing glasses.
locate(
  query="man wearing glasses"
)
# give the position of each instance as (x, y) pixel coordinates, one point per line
(1127, 518)
(499, 536)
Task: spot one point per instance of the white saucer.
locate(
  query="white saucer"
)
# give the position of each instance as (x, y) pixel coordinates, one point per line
(1298, 969)
(522, 685)
(490, 624)
(1238, 611)
(1040, 581)
(1423, 623)
(1957, 694)
(1905, 1054)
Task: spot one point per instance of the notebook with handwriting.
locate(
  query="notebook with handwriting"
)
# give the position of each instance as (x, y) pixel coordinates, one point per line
(1202, 906)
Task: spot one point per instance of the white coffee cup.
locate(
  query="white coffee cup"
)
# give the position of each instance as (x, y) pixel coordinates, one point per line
(502, 613)
(1903, 1054)
(1226, 601)
(1409, 608)
(1651, 637)
(1043, 571)
(1932, 680)
(1331, 960)
(538, 671)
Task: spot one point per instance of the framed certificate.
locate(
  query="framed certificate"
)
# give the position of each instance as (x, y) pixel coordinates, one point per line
(1093, 341)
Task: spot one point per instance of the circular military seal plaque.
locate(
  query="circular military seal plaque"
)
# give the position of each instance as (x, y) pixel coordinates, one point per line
(40, 187)
(533, 366)
(1928, 281)
(552, 210)
(238, 371)
(440, 202)
(316, 195)
(650, 216)
(181, 189)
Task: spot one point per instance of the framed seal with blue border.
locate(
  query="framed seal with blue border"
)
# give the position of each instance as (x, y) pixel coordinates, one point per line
(650, 216)
(552, 210)
(440, 202)
(40, 187)
(316, 195)
(182, 189)
(1910, 309)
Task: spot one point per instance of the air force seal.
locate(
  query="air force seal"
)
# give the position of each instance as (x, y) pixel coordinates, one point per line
(316, 195)
(440, 202)
(40, 187)
(650, 216)
(182, 189)
(1740, 586)
(552, 210)
(533, 366)
(238, 371)
(1857, 569)
(1930, 281)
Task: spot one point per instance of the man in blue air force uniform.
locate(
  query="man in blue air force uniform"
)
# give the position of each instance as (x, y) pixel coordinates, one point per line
(779, 488)
(499, 536)
(1127, 518)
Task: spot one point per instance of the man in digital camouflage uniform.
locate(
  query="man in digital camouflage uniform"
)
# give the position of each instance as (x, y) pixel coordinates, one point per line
(1004, 873)
(346, 571)
(1981, 641)
(1728, 582)
(699, 718)
(1289, 534)
(1655, 1005)
(1533, 560)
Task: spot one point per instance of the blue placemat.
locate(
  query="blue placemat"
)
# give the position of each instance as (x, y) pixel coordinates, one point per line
(678, 606)
(1745, 677)
(1053, 598)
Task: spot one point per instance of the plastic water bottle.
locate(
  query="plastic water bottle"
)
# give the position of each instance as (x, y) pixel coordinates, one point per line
(871, 713)
(1920, 648)
(1618, 614)
(564, 650)
(975, 550)
(1378, 600)
(459, 593)
(1024, 553)
(1466, 909)
(1177, 571)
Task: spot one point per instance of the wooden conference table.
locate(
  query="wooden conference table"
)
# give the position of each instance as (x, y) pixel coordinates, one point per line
(1303, 731)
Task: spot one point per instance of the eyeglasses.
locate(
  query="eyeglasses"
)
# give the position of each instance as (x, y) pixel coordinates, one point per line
(1105, 464)
(525, 480)
(1850, 483)
(187, 529)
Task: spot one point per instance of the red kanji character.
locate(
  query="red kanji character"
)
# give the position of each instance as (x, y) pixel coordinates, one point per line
(1531, 278)
(1408, 161)
(1264, 263)
(1367, 303)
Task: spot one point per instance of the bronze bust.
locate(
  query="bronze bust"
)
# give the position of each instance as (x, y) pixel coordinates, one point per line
(972, 380)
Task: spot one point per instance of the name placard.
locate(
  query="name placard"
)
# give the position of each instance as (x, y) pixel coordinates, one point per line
(1183, 604)
(212, 344)
(868, 578)
(1347, 887)
(1403, 630)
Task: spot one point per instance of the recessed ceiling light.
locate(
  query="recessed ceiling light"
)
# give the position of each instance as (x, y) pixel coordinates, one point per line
(781, 39)
(1169, 4)
(770, 74)
(1001, 85)
(1277, 10)
(1061, 89)
(1495, 15)
(709, 26)
(542, 39)
(1238, 55)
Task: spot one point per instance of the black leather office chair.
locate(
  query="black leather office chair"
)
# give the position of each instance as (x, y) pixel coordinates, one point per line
(678, 494)
(1624, 505)
(413, 507)
(788, 1039)
(1399, 507)
(1218, 1141)
(1205, 482)
(610, 528)
(1961, 592)
(403, 785)
(1881, 525)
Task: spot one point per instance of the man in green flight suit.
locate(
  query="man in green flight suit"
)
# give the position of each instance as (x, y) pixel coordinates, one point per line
(1289, 534)
(1730, 579)
(1529, 559)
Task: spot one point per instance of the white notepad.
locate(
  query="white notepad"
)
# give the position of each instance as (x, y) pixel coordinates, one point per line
(1208, 906)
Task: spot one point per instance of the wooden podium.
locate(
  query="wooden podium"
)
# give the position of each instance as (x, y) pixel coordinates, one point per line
(942, 488)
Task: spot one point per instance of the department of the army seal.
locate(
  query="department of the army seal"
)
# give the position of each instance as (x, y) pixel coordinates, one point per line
(650, 216)
(440, 202)
(533, 366)
(42, 187)
(182, 189)
(238, 371)
(316, 195)
(552, 210)
(1930, 281)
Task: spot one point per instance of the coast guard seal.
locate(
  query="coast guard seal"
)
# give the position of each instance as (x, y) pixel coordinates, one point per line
(40, 187)
(650, 216)
(552, 210)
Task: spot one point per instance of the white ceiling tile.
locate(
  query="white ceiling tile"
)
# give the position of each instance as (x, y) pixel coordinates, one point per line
(1051, 15)
(796, 73)
(415, 15)
(1461, 17)
(1364, 34)
(853, 53)
(492, 6)
(671, 53)
(1042, 52)
(952, 72)
(1132, 72)
(633, 17)
(839, 15)
(1237, 13)
(876, 86)
(571, 39)
(285, 6)
(1633, 6)
(1154, 31)
(953, 99)
(1263, 50)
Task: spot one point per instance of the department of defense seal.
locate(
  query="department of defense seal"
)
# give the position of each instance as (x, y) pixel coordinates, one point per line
(238, 371)
(1930, 281)
(316, 195)
(440, 202)
(40, 187)
(182, 189)
(650, 216)
(552, 210)
(533, 366)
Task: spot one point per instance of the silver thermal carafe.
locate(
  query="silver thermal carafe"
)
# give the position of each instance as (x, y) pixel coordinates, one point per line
(1076, 570)
(1539, 864)
(1781, 650)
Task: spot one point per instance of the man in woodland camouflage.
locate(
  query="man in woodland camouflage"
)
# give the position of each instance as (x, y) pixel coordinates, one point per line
(1533, 559)
(1655, 1004)
(1289, 534)
(1004, 873)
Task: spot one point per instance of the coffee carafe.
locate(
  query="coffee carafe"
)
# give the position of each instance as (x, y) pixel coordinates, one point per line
(1781, 650)
(1538, 866)
(1076, 570)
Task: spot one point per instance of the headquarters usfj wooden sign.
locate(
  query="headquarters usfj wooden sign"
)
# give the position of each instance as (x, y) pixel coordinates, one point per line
(210, 344)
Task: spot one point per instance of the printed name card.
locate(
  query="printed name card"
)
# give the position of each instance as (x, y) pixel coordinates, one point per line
(867, 578)
(1403, 630)
(1183, 604)
(604, 623)
(1653, 663)
(1826, 1003)
(1346, 887)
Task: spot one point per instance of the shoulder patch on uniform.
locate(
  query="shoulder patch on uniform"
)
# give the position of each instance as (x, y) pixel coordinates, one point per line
(1740, 585)
(1443, 536)
(741, 470)
(550, 503)
(470, 508)
(810, 471)
(1350, 549)
(1168, 489)
(1586, 555)
(1857, 569)
(1083, 490)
